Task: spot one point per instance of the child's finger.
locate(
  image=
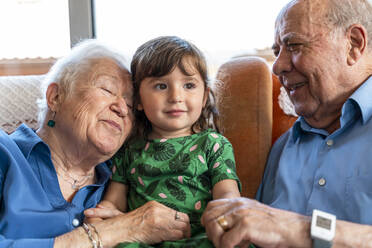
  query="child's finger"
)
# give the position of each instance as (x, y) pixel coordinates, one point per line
(103, 213)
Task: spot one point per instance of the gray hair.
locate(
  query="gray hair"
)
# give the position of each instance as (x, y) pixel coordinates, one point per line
(344, 13)
(67, 70)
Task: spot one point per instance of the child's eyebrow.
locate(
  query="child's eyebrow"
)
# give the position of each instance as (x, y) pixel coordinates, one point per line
(188, 77)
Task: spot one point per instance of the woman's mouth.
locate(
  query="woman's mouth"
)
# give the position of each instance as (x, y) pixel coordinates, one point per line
(114, 125)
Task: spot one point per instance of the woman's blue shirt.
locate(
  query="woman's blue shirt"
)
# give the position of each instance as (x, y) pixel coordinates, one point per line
(32, 209)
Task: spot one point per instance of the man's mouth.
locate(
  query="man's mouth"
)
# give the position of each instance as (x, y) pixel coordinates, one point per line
(294, 86)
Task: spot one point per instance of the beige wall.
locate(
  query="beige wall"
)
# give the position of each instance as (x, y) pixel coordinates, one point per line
(25, 66)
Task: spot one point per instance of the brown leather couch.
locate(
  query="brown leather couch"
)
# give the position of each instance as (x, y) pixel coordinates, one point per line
(251, 116)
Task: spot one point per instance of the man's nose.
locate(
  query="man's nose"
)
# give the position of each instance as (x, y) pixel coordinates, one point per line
(282, 63)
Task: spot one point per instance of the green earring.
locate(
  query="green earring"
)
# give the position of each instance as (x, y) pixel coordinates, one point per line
(52, 123)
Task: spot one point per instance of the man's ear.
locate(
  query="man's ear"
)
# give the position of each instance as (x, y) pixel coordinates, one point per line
(205, 97)
(53, 97)
(357, 36)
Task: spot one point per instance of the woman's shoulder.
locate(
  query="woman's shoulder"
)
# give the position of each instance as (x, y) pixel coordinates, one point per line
(6, 141)
(9, 150)
(19, 143)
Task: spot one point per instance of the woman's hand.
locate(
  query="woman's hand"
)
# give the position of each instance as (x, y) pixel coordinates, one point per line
(151, 223)
(154, 223)
(251, 221)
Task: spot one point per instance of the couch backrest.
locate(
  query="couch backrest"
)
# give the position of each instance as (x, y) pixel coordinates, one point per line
(255, 111)
(246, 110)
(18, 95)
(252, 120)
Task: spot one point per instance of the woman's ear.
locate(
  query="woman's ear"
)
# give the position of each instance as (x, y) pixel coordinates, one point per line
(205, 97)
(52, 96)
(357, 38)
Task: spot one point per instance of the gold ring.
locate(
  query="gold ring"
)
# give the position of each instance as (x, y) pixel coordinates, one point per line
(223, 222)
(177, 216)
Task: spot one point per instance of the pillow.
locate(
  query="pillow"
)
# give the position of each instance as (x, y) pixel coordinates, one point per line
(18, 95)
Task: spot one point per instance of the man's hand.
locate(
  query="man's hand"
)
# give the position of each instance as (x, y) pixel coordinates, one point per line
(250, 221)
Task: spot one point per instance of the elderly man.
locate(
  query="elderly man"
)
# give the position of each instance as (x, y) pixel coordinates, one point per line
(324, 162)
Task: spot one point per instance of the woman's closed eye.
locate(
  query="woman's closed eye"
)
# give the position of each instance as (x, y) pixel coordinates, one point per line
(107, 90)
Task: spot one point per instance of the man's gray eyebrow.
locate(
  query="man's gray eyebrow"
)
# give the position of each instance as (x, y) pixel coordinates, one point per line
(284, 40)
(287, 37)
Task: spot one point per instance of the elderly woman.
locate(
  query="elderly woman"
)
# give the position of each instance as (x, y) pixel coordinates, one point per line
(48, 177)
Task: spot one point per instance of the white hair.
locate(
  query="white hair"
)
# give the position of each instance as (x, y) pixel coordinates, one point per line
(344, 13)
(66, 70)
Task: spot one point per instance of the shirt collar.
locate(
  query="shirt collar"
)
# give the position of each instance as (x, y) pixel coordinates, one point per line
(103, 172)
(296, 129)
(26, 139)
(360, 98)
(301, 126)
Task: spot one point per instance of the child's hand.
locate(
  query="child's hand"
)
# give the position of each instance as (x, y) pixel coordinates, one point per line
(103, 210)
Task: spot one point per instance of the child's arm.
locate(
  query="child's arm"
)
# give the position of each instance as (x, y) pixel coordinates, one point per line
(115, 199)
(226, 189)
(116, 194)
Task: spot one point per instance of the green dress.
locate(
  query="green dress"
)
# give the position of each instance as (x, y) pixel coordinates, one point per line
(179, 173)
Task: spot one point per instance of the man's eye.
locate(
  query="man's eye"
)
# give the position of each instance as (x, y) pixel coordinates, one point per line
(189, 85)
(160, 86)
(276, 52)
(292, 47)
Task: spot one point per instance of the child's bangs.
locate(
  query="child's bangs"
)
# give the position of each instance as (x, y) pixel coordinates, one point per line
(190, 65)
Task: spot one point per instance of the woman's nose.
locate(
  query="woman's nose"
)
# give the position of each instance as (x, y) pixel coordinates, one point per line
(120, 107)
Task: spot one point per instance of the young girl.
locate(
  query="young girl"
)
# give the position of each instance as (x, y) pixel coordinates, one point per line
(177, 157)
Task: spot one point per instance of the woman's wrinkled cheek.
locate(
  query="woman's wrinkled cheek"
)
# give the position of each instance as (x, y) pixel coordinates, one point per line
(82, 112)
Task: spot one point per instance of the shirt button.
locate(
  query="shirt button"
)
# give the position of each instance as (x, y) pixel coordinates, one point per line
(75, 222)
(322, 181)
(330, 142)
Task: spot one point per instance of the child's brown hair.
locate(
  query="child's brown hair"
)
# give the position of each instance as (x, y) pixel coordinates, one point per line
(157, 58)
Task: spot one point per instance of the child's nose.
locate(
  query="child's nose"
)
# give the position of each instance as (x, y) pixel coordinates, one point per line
(176, 95)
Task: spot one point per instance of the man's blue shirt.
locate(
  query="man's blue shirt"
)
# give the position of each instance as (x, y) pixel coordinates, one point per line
(310, 169)
(33, 210)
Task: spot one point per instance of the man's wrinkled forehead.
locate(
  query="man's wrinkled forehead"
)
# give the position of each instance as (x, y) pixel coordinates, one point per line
(297, 14)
